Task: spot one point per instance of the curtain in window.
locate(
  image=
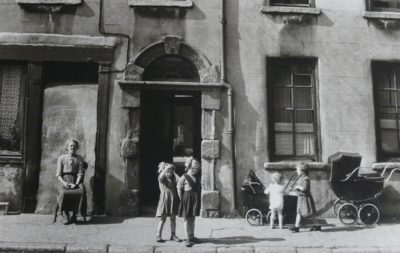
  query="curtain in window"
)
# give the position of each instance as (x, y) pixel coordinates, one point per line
(10, 108)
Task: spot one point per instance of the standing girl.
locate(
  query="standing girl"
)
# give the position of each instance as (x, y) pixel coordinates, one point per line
(276, 191)
(168, 202)
(305, 202)
(188, 190)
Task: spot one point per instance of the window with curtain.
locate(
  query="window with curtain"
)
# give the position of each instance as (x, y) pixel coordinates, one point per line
(11, 108)
(386, 79)
(292, 115)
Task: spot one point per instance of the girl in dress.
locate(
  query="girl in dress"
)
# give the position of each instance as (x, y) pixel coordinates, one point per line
(168, 202)
(188, 190)
(276, 191)
(305, 202)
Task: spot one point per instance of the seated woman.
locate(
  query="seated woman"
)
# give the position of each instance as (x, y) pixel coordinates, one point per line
(70, 172)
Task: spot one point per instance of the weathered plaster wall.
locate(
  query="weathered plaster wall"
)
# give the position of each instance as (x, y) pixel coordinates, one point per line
(68, 112)
(11, 185)
(342, 41)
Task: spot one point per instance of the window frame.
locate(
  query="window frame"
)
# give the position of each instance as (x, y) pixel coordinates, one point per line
(311, 4)
(381, 9)
(23, 93)
(271, 63)
(391, 67)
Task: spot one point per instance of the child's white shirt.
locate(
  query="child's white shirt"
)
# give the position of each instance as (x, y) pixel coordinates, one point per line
(276, 193)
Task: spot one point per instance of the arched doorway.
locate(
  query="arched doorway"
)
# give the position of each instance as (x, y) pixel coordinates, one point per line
(170, 123)
(171, 95)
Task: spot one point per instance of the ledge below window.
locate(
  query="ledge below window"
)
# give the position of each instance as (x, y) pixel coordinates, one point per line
(381, 166)
(292, 165)
(381, 15)
(161, 3)
(66, 2)
(290, 10)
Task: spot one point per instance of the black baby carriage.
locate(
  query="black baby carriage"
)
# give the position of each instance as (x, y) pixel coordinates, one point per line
(358, 193)
(255, 203)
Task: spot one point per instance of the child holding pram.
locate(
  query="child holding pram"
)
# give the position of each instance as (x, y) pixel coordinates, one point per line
(276, 191)
(305, 201)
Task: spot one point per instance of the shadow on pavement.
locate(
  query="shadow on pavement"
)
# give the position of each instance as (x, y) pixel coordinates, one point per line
(238, 240)
(345, 228)
(98, 220)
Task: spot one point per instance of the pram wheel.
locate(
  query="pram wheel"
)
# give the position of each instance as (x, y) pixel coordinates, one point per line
(254, 217)
(348, 214)
(337, 204)
(369, 214)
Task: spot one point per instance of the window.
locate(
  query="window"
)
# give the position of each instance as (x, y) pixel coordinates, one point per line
(384, 5)
(299, 3)
(386, 79)
(292, 114)
(11, 109)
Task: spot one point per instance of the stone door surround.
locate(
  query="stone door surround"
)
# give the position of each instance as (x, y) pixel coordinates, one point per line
(210, 88)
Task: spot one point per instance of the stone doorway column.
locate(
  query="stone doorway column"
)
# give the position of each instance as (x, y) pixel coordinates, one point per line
(210, 103)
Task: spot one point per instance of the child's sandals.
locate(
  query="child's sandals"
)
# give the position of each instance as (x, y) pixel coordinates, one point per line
(175, 238)
(159, 239)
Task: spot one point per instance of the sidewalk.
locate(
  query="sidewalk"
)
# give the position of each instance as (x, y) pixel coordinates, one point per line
(37, 233)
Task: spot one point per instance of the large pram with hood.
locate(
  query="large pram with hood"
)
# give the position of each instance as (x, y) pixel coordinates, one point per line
(357, 193)
(255, 204)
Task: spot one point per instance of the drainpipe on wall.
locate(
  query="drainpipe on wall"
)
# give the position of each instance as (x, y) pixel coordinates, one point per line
(231, 129)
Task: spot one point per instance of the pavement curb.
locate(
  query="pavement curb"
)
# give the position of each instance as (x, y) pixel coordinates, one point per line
(104, 248)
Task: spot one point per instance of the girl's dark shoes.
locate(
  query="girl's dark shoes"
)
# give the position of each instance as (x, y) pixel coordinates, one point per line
(315, 228)
(175, 238)
(159, 239)
(294, 229)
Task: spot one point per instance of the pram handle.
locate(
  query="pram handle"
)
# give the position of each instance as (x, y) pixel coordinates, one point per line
(391, 173)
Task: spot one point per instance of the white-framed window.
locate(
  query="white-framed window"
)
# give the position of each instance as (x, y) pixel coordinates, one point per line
(386, 81)
(292, 109)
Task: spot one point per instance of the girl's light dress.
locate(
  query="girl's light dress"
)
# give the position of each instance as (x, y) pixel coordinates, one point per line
(168, 202)
(276, 193)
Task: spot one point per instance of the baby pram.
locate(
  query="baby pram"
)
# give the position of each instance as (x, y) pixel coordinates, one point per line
(255, 203)
(357, 193)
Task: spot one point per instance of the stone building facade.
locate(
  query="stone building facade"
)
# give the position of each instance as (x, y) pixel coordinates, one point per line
(242, 84)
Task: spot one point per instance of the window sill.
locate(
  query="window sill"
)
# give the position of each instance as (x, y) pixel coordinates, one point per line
(381, 166)
(161, 3)
(292, 165)
(11, 159)
(381, 15)
(290, 10)
(65, 2)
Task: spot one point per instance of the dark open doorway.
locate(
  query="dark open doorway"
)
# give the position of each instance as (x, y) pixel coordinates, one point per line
(170, 130)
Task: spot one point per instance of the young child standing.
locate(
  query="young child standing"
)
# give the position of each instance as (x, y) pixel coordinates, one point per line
(188, 190)
(276, 191)
(305, 202)
(168, 202)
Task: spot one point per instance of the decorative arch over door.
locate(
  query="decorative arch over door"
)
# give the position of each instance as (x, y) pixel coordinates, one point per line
(198, 75)
(171, 46)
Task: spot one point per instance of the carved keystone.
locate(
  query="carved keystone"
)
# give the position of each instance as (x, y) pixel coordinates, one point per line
(172, 44)
(210, 149)
(133, 72)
